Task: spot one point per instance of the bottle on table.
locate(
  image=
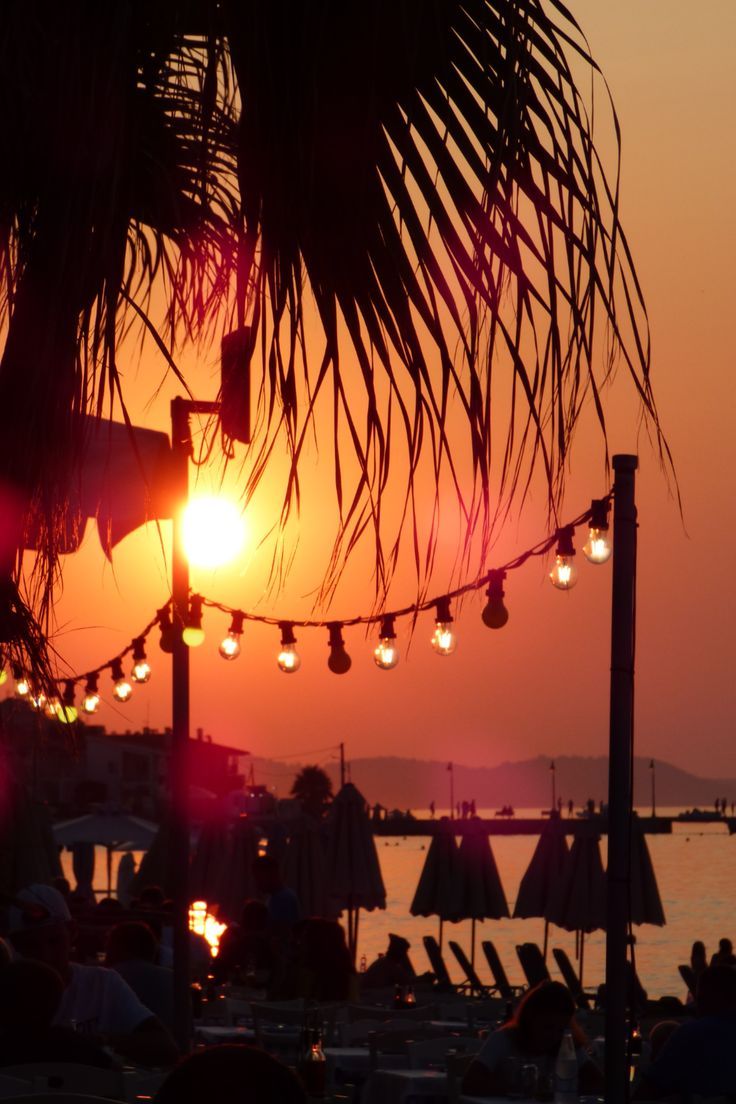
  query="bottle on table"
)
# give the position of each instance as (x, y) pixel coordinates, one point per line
(566, 1071)
(313, 1064)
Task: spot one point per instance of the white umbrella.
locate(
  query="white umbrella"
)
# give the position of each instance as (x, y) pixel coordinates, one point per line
(115, 831)
(353, 870)
(305, 867)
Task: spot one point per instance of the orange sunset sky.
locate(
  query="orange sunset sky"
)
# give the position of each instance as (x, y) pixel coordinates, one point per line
(540, 686)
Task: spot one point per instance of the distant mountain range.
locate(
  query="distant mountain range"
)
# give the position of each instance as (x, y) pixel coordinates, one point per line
(412, 783)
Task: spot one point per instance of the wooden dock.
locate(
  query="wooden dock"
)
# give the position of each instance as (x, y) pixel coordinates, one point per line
(521, 826)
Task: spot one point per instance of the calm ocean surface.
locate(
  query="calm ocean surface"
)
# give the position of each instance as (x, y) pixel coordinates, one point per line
(695, 873)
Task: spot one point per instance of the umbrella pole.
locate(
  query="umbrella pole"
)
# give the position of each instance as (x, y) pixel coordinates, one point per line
(582, 953)
(355, 935)
(546, 938)
(109, 871)
(440, 939)
(472, 942)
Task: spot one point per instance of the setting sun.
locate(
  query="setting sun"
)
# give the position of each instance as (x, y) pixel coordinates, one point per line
(213, 531)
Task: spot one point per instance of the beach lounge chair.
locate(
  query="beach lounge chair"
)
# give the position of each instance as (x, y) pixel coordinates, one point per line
(532, 963)
(501, 982)
(474, 983)
(688, 976)
(437, 962)
(571, 979)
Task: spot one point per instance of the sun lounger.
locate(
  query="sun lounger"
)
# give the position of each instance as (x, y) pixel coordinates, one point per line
(532, 963)
(688, 976)
(502, 984)
(571, 979)
(475, 985)
(437, 962)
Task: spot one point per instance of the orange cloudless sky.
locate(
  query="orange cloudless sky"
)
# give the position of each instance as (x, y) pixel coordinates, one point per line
(539, 686)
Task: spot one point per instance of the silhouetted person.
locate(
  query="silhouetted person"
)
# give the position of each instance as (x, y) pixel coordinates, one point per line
(245, 952)
(131, 952)
(724, 956)
(30, 995)
(698, 958)
(282, 903)
(235, 1074)
(570, 807)
(431, 809)
(324, 967)
(392, 968)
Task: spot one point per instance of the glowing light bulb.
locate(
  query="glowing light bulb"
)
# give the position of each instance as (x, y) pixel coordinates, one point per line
(230, 645)
(22, 685)
(564, 574)
(386, 655)
(193, 633)
(66, 710)
(141, 667)
(444, 640)
(52, 706)
(38, 701)
(339, 662)
(597, 549)
(91, 699)
(121, 690)
(495, 615)
(288, 658)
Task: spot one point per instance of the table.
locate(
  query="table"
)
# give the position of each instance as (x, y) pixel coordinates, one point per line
(404, 1087)
(344, 1062)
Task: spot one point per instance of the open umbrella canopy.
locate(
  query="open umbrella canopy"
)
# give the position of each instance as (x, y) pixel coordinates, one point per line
(353, 870)
(543, 874)
(645, 902)
(119, 831)
(481, 893)
(305, 867)
(439, 890)
(579, 900)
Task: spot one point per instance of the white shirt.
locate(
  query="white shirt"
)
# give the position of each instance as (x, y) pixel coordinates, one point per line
(99, 1001)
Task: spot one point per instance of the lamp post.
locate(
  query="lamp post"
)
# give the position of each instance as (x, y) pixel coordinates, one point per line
(181, 447)
(553, 774)
(654, 791)
(623, 600)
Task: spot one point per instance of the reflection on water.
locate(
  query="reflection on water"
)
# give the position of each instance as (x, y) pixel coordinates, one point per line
(694, 872)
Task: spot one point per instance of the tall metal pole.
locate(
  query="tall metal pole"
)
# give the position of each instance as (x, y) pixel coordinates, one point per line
(452, 790)
(554, 786)
(654, 791)
(619, 774)
(179, 810)
(342, 765)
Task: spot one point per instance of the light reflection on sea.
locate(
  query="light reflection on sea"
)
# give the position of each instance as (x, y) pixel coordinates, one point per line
(694, 868)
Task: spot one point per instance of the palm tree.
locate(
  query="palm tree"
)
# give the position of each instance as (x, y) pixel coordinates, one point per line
(313, 787)
(414, 180)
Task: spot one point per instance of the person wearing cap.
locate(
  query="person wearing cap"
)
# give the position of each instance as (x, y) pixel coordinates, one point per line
(392, 968)
(95, 1000)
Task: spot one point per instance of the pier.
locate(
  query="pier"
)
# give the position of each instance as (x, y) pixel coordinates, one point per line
(533, 826)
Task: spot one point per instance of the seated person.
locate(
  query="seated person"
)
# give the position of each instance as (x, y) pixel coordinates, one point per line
(324, 968)
(131, 951)
(30, 995)
(245, 954)
(392, 968)
(239, 1074)
(94, 1000)
(282, 903)
(533, 1034)
(699, 1057)
(724, 956)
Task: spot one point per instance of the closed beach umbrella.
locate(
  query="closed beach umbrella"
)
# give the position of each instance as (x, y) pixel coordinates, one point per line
(439, 890)
(542, 876)
(579, 902)
(155, 868)
(209, 868)
(481, 893)
(646, 904)
(126, 874)
(83, 865)
(239, 883)
(305, 867)
(28, 854)
(353, 871)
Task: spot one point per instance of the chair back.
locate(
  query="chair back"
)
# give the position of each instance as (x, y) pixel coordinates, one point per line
(437, 962)
(532, 963)
(70, 1077)
(424, 1052)
(571, 979)
(457, 1066)
(498, 973)
(467, 967)
(421, 1012)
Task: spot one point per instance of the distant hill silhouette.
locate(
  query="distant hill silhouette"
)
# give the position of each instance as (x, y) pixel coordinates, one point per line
(412, 783)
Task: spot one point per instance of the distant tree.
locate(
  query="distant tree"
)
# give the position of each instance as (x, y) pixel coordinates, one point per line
(313, 787)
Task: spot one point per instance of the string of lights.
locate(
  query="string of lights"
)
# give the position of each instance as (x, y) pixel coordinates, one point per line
(563, 575)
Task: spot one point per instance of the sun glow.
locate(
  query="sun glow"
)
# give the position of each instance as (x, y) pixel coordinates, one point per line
(213, 531)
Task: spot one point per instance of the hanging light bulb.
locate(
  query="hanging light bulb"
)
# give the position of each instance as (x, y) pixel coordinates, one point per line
(193, 633)
(338, 661)
(141, 667)
(288, 659)
(495, 615)
(444, 640)
(66, 710)
(91, 699)
(564, 574)
(230, 645)
(122, 689)
(386, 655)
(22, 685)
(166, 643)
(52, 705)
(37, 700)
(597, 549)
(3, 672)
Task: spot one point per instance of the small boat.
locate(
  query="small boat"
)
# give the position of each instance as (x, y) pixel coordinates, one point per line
(699, 816)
